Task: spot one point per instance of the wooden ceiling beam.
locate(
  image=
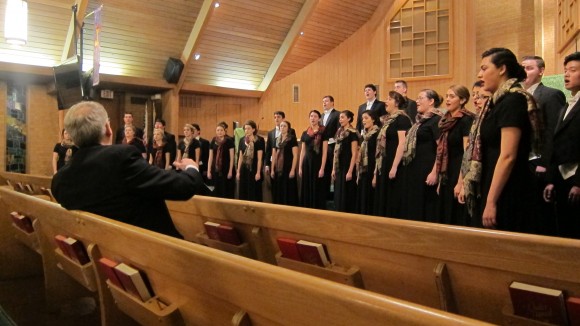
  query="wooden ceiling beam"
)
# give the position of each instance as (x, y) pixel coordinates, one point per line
(291, 37)
(216, 90)
(68, 49)
(201, 21)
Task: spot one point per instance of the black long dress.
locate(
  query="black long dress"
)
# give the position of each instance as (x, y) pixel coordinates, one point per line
(365, 195)
(344, 191)
(61, 151)
(224, 187)
(313, 189)
(250, 189)
(388, 191)
(419, 200)
(515, 206)
(450, 210)
(284, 188)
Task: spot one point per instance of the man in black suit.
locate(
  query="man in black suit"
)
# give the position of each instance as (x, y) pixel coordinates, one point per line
(204, 155)
(128, 119)
(330, 122)
(114, 180)
(372, 104)
(550, 101)
(563, 173)
(169, 139)
(411, 109)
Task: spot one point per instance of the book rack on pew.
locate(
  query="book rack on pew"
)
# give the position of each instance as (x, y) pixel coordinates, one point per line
(241, 250)
(30, 239)
(349, 276)
(84, 274)
(510, 319)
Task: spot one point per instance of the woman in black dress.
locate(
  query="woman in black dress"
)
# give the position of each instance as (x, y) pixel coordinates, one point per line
(420, 173)
(312, 163)
(251, 149)
(158, 151)
(132, 139)
(221, 163)
(503, 136)
(62, 151)
(189, 147)
(284, 162)
(389, 152)
(365, 197)
(454, 127)
(343, 168)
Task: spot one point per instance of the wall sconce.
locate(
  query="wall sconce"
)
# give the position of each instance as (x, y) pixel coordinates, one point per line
(16, 22)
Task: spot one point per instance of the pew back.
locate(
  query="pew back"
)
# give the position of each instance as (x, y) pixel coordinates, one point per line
(464, 270)
(213, 287)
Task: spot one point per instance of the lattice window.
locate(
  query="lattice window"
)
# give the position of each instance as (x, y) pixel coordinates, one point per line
(568, 22)
(420, 39)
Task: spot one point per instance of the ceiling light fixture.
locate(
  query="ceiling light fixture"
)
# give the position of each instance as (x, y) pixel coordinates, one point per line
(217, 5)
(16, 22)
(197, 56)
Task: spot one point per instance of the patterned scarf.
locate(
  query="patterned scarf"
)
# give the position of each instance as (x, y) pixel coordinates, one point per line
(446, 124)
(471, 165)
(281, 145)
(341, 134)
(186, 142)
(317, 137)
(68, 144)
(219, 156)
(411, 140)
(363, 154)
(158, 161)
(386, 121)
(248, 156)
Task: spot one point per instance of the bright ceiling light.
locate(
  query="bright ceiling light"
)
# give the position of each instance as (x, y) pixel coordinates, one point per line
(217, 5)
(197, 56)
(16, 22)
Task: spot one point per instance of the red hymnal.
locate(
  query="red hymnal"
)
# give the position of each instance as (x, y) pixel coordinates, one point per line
(134, 281)
(228, 234)
(538, 303)
(313, 253)
(573, 305)
(108, 267)
(77, 250)
(289, 248)
(60, 242)
(211, 229)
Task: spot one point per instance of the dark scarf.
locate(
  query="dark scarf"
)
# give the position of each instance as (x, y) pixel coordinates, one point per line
(386, 121)
(446, 124)
(411, 140)
(281, 145)
(219, 159)
(248, 155)
(317, 137)
(471, 165)
(341, 134)
(158, 161)
(363, 154)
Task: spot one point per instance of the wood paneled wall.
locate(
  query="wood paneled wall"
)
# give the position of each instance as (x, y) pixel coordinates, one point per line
(43, 130)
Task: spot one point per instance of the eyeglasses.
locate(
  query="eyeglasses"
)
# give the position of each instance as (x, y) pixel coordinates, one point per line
(481, 97)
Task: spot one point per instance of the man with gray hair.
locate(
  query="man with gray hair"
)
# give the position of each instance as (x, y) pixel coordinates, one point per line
(114, 181)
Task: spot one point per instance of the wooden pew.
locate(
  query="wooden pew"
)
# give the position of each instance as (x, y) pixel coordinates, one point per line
(211, 287)
(462, 270)
(28, 183)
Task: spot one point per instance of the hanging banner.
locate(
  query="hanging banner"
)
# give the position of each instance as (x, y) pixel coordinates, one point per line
(97, 43)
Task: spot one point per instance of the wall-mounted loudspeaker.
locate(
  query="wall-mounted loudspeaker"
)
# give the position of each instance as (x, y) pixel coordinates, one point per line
(173, 70)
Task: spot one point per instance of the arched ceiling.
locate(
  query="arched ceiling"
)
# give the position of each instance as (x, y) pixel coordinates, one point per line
(243, 45)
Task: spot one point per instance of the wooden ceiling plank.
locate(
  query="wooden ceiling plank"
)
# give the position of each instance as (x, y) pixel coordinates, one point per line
(201, 22)
(307, 10)
(68, 48)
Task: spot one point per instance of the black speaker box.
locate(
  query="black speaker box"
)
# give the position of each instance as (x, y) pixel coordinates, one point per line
(173, 70)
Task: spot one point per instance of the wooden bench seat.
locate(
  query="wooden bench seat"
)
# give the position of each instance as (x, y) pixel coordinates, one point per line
(462, 270)
(208, 286)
